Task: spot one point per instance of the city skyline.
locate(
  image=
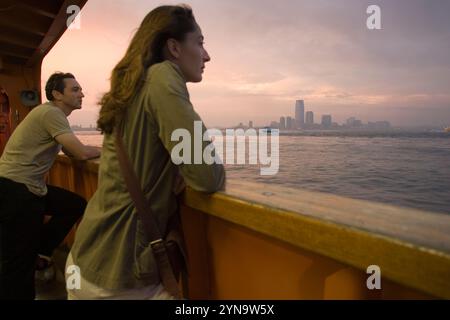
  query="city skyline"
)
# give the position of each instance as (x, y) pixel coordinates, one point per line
(318, 50)
(303, 119)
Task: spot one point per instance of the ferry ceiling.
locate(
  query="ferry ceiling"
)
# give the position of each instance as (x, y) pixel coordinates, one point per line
(28, 31)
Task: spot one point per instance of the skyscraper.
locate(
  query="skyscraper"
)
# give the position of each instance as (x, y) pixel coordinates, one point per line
(326, 121)
(290, 123)
(282, 123)
(309, 117)
(299, 113)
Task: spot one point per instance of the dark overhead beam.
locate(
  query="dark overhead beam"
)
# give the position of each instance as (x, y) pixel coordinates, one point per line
(38, 11)
(46, 8)
(11, 53)
(28, 26)
(12, 60)
(23, 41)
(16, 50)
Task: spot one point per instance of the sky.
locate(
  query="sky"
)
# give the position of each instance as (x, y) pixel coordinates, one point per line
(265, 54)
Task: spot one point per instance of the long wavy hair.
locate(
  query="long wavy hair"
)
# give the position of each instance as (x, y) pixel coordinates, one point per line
(146, 48)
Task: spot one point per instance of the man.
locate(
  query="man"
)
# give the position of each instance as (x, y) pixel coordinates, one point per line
(24, 196)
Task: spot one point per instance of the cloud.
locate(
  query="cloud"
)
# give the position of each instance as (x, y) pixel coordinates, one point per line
(266, 54)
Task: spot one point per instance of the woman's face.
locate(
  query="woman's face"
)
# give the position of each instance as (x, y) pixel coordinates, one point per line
(192, 56)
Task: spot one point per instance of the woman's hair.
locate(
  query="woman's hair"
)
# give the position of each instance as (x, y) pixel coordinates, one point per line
(146, 48)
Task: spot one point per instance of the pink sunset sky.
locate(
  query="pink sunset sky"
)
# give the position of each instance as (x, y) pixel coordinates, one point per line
(267, 54)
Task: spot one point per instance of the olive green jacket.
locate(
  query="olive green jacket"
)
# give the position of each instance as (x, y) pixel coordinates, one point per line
(110, 246)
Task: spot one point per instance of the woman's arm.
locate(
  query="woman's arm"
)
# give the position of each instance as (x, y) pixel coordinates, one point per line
(168, 102)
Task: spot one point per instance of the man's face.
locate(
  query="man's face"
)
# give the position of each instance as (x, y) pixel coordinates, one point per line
(73, 94)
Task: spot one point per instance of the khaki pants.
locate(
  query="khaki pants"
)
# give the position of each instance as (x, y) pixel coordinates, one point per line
(89, 291)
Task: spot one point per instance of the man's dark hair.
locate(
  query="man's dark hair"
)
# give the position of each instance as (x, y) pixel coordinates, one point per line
(56, 82)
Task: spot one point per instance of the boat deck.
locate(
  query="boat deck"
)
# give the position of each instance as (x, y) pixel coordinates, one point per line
(55, 289)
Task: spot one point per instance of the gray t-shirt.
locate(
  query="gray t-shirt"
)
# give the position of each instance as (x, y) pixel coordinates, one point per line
(32, 148)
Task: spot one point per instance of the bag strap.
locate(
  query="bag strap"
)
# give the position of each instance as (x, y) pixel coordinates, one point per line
(134, 188)
(147, 217)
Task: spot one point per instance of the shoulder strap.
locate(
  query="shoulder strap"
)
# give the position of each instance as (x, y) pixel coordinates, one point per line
(148, 218)
(142, 206)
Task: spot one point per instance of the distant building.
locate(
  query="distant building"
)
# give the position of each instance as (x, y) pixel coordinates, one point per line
(282, 123)
(326, 121)
(250, 124)
(335, 126)
(299, 113)
(81, 128)
(309, 117)
(349, 122)
(379, 125)
(353, 123)
(290, 123)
(274, 125)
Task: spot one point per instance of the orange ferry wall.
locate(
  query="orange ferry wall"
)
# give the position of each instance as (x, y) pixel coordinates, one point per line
(15, 78)
(228, 261)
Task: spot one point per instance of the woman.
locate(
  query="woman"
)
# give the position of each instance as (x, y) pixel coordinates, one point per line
(149, 98)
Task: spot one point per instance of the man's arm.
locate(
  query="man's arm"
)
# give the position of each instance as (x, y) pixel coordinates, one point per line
(73, 147)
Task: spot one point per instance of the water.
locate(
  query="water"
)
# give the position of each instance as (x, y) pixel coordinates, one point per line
(407, 169)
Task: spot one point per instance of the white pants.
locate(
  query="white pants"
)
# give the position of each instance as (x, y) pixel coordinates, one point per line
(89, 291)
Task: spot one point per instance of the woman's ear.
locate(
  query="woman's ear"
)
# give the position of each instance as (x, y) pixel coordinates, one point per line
(174, 48)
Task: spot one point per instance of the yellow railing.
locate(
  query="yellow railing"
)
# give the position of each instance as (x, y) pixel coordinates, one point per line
(256, 241)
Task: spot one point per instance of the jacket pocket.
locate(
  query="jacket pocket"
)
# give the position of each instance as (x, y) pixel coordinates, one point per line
(145, 265)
